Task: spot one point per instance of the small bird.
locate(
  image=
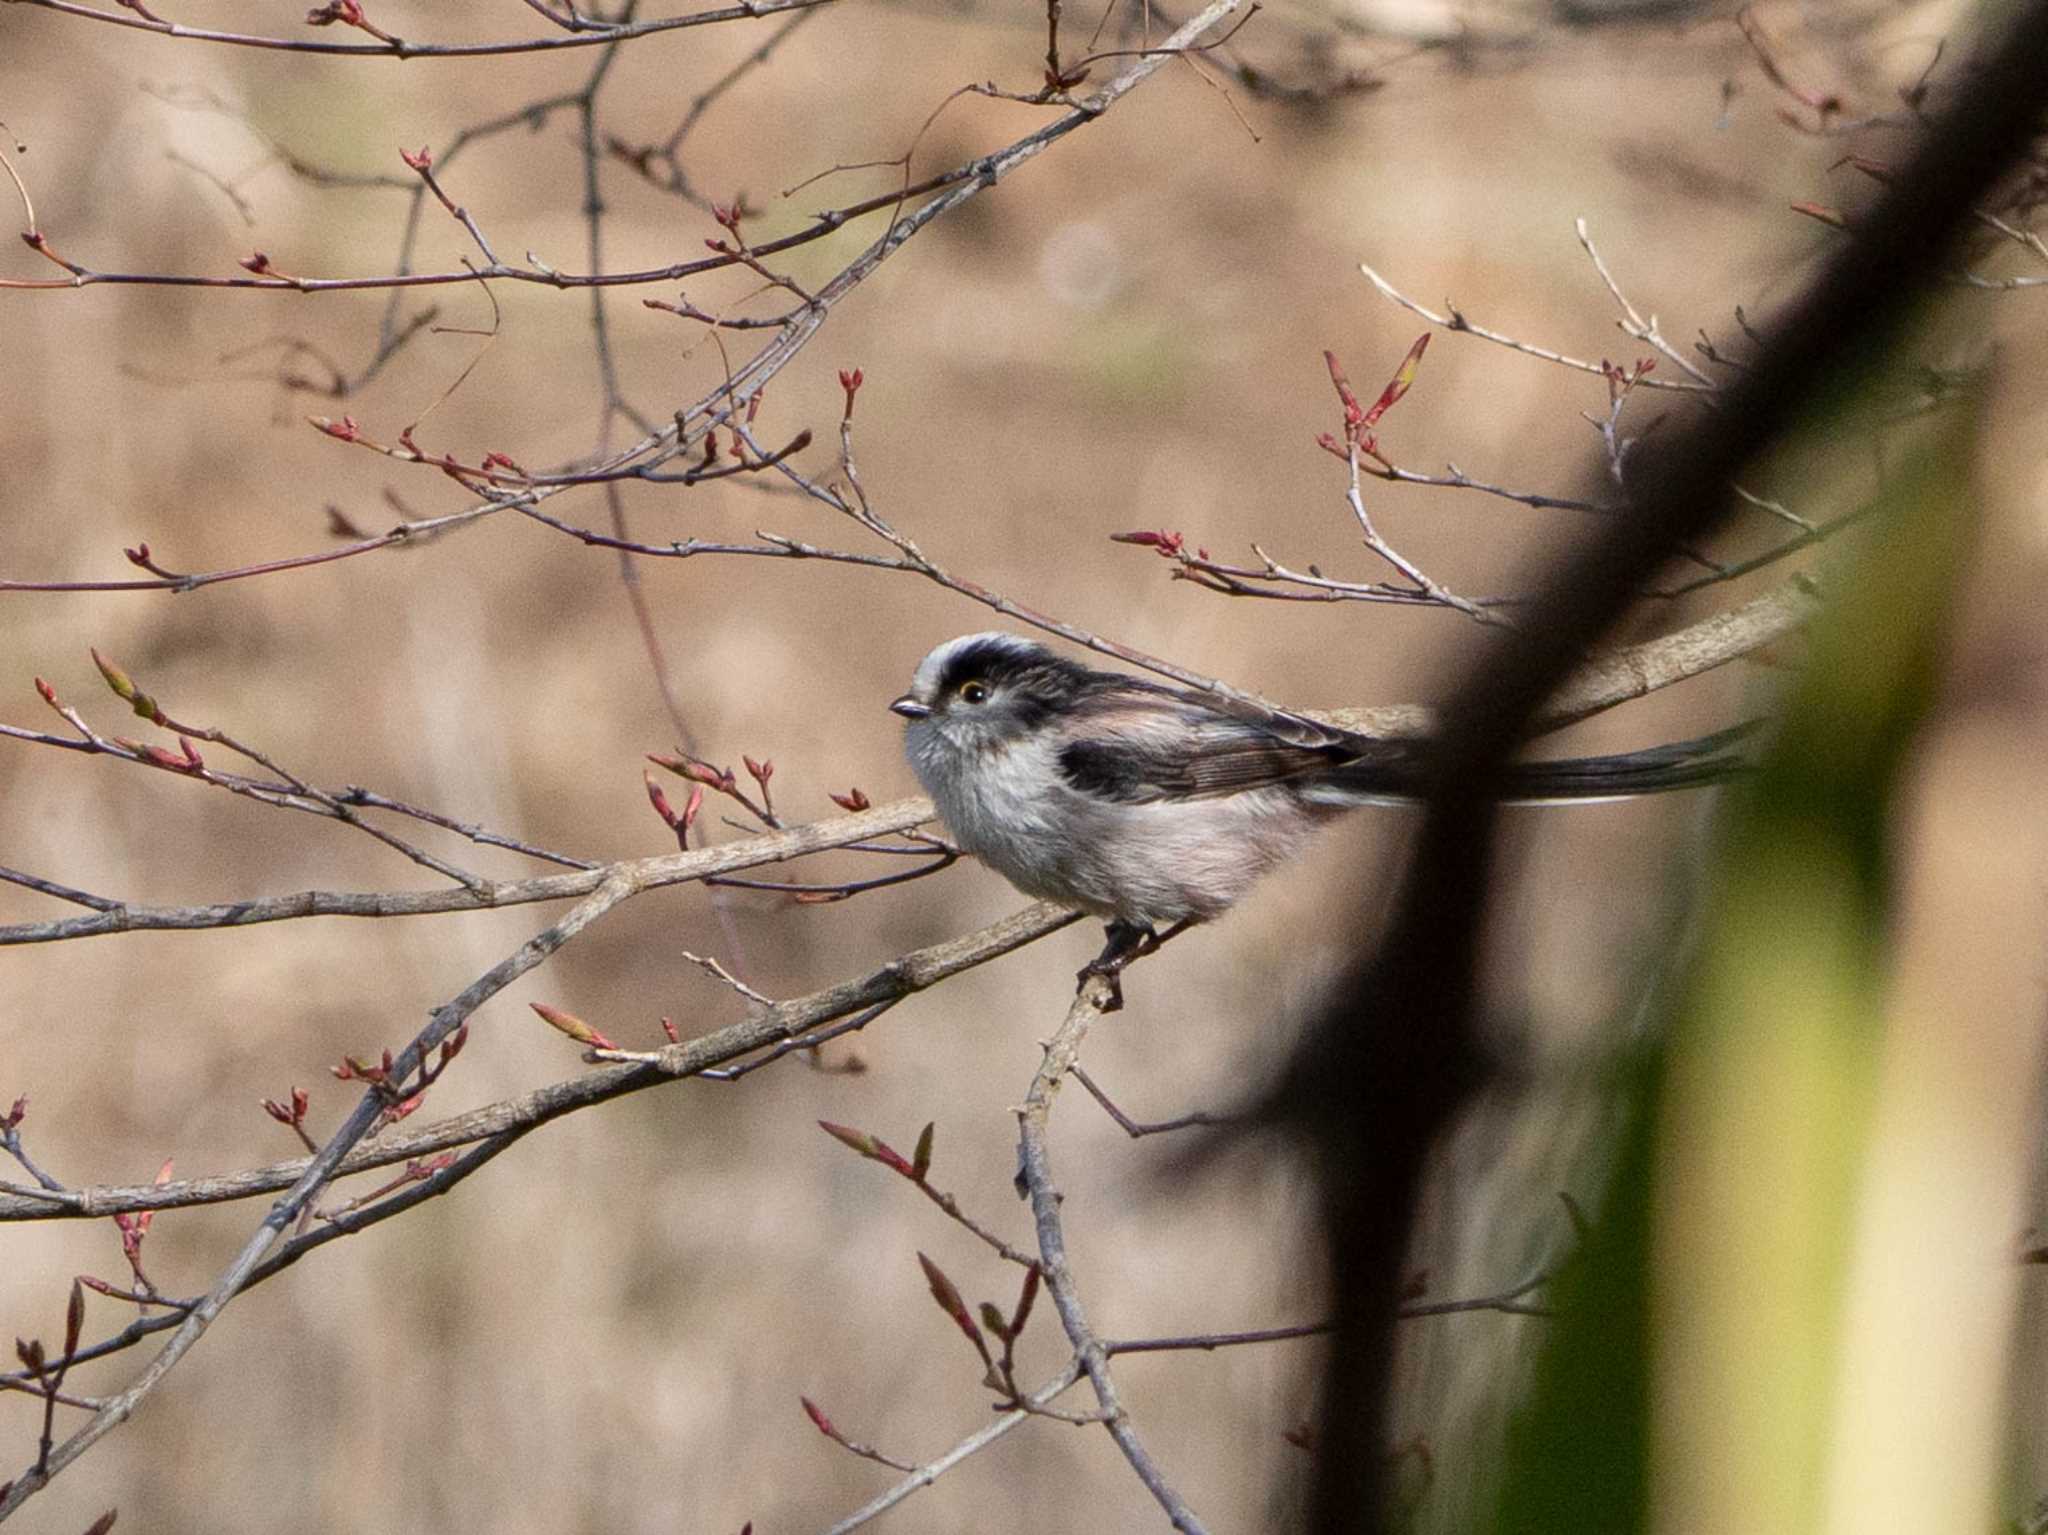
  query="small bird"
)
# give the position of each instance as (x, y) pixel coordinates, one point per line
(1155, 807)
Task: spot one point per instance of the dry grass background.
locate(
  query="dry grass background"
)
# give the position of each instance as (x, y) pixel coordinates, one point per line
(610, 1327)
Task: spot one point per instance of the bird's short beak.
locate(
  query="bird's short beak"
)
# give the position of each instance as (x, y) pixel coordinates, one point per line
(910, 708)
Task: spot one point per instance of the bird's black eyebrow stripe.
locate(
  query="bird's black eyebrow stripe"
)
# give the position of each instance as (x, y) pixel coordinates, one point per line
(994, 660)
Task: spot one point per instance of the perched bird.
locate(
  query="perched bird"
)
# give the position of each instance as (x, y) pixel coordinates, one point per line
(1155, 807)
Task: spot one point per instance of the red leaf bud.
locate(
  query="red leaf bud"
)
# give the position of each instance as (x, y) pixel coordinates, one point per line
(1354, 414)
(817, 1416)
(354, 1068)
(1396, 386)
(859, 1140)
(944, 1291)
(947, 1294)
(921, 1158)
(658, 797)
(117, 679)
(572, 1026)
(697, 771)
(1824, 214)
(1025, 1297)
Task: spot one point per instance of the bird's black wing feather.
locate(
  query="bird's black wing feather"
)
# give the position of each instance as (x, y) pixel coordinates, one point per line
(1144, 743)
(1137, 742)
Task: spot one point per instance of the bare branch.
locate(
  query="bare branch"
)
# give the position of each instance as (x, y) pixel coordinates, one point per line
(1035, 1172)
(396, 48)
(1632, 323)
(318, 1171)
(973, 1444)
(644, 873)
(770, 1028)
(1455, 320)
(1631, 671)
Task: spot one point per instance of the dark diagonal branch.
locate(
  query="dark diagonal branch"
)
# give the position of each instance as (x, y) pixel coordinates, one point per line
(1397, 1055)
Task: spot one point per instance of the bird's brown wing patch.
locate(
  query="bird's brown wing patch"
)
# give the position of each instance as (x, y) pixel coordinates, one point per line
(1156, 750)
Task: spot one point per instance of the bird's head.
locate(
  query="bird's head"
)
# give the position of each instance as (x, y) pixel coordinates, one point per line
(983, 692)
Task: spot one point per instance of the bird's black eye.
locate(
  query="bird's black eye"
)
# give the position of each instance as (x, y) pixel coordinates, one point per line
(974, 692)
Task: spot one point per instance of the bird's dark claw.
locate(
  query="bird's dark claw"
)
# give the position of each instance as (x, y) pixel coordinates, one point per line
(1124, 942)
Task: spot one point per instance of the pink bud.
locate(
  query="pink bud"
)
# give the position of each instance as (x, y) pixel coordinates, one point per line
(658, 797)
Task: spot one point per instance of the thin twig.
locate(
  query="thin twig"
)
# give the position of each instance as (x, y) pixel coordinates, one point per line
(319, 1170)
(1137, 1128)
(648, 873)
(398, 48)
(1456, 320)
(1632, 323)
(776, 1029)
(973, 1444)
(1035, 1172)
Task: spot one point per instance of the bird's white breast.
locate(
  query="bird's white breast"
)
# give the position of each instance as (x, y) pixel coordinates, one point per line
(1147, 863)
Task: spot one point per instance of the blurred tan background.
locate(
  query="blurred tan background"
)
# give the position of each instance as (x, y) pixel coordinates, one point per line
(609, 1328)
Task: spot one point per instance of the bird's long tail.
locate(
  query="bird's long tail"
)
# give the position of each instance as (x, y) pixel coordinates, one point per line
(1390, 772)
(1708, 759)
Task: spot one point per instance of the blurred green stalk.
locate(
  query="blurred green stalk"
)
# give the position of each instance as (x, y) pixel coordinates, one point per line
(1691, 1381)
